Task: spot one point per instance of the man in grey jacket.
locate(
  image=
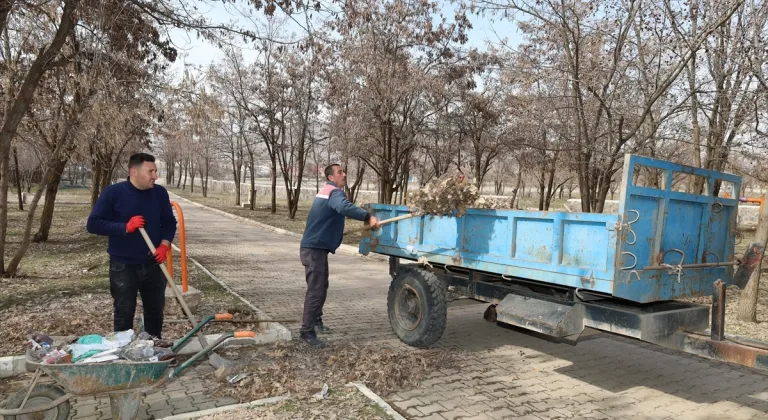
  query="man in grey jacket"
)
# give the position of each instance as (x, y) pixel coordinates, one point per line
(323, 234)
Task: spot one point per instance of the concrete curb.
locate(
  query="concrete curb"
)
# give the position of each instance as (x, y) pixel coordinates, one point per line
(378, 400)
(347, 249)
(257, 403)
(273, 328)
(12, 366)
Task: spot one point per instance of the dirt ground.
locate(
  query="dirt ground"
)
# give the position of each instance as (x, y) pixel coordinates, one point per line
(340, 403)
(755, 331)
(63, 287)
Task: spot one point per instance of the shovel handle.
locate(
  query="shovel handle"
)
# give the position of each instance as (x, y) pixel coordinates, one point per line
(381, 223)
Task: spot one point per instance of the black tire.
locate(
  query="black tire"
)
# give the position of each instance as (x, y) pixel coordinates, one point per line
(417, 307)
(40, 395)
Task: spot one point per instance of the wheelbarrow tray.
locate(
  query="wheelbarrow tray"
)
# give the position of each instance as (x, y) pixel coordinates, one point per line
(97, 378)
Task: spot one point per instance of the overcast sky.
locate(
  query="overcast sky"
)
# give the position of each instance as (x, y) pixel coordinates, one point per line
(201, 53)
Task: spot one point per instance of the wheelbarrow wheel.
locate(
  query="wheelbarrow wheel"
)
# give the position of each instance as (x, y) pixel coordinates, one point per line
(40, 396)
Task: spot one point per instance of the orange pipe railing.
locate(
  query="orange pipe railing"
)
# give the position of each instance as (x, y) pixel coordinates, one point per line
(182, 247)
(753, 200)
(169, 258)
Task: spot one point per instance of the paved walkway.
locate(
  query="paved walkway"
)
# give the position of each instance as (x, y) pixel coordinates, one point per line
(510, 374)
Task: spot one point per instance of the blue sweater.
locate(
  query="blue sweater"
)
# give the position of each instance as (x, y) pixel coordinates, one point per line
(116, 205)
(325, 223)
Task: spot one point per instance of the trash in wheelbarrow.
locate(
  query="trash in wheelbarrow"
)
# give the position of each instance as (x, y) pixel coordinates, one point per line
(123, 346)
(145, 351)
(43, 350)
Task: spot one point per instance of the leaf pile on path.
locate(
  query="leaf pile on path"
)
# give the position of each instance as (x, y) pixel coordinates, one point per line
(297, 369)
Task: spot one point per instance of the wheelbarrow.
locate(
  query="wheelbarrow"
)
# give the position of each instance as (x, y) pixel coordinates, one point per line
(125, 382)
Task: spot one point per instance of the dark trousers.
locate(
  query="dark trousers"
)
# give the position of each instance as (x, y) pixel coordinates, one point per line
(125, 281)
(315, 263)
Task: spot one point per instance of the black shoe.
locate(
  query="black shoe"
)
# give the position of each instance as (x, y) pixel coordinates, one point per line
(322, 329)
(312, 340)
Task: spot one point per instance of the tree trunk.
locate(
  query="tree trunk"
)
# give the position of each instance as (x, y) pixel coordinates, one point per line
(237, 173)
(46, 218)
(542, 187)
(252, 195)
(96, 187)
(106, 177)
(205, 179)
(17, 107)
(273, 161)
(181, 170)
(192, 177)
(4, 166)
(237, 189)
(517, 184)
(551, 182)
(747, 309)
(186, 173)
(169, 168)
(18, 178)
(405, 186)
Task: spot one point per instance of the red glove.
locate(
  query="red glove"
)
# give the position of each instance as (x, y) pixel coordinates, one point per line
(134, 223)
(161, 253)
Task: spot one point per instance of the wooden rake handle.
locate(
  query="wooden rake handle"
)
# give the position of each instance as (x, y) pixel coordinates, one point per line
(176, 292)
(381, 223)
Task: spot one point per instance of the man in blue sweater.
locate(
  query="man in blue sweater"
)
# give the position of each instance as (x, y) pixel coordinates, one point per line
(323, 234)
(119, 212)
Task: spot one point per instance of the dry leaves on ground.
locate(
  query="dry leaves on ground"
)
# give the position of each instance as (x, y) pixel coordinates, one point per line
(341, 403)
(734, 327)
(295, 368)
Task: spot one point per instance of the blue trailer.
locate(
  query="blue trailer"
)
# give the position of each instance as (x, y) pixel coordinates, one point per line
(558, 273)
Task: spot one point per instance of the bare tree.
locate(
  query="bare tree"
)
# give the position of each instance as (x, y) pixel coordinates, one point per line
(587, 47)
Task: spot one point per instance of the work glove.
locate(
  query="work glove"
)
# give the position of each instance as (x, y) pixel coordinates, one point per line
(134, 223)
(161, 253)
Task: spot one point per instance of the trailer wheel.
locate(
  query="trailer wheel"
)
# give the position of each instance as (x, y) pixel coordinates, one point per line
(416, 306)
(40, 396)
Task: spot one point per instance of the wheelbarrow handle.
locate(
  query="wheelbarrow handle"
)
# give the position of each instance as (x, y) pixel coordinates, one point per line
(236, 334)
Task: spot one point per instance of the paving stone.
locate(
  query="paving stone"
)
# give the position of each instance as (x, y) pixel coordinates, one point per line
(431, 408)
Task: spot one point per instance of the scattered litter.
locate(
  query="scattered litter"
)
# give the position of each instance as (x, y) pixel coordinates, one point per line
(233, 379)
(319, 395)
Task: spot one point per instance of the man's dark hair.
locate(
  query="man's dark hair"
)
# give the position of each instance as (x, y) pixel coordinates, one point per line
(138, 159)
(329, 169)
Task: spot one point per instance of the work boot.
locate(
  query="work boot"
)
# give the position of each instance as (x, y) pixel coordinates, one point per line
(312, 340)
